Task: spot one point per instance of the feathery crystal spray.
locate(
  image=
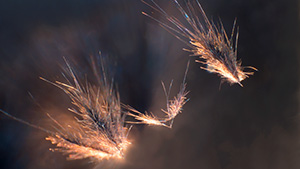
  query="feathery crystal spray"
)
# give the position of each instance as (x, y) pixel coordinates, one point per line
(207, 40)
(100, 132)
(174, 107)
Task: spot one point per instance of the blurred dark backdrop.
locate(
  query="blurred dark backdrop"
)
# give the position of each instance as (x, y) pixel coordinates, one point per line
(256, 126)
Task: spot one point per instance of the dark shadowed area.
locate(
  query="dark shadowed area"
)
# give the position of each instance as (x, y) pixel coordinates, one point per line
(256, 126)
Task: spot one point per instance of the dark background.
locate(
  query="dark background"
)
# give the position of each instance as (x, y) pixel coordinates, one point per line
(254, 127)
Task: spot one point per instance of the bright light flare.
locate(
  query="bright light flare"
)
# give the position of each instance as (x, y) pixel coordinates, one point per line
(77, 151)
